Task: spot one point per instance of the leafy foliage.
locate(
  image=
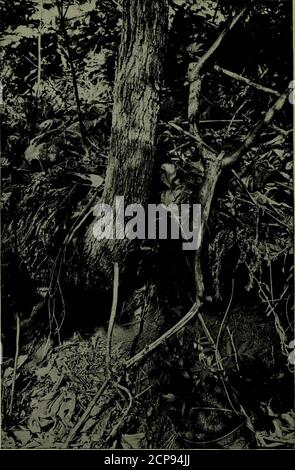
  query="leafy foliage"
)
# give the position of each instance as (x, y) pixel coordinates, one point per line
(59, 60)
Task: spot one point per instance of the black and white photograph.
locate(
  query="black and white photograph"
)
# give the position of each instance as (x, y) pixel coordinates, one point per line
(147, 227)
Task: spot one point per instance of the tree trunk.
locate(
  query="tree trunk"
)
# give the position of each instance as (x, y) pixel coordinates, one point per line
(136, 100)
(135, 112)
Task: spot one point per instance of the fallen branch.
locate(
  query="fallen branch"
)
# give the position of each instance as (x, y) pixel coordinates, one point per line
(249, 82)
(153, 346)
(219, 121)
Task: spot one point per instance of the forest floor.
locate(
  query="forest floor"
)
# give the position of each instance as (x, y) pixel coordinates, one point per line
(54, 394)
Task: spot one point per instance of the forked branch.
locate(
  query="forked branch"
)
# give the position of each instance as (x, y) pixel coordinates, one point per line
(195, 79)
(209, 53)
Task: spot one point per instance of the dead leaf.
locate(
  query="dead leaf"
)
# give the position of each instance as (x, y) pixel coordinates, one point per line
(21, 360)
(133, 441)
(89, 424)
(34, 425)
(23, 436)
(43, 371)
(66, 410)
(54, 375)
(95, 410)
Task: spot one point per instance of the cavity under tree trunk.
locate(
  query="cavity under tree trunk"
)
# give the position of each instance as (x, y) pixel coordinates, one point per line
(135, 112)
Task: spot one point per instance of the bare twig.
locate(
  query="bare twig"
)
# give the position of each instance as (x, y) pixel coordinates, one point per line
(119, 424)
(218, 358)
(279, 329)
(179, 147)
(244, 187)
(86, 412)
(234, 347)
(226, 314)
(282, 131)
(245, 80)
(219, 121)
(39, 71)
(195, 137)
(268, 211)
(233, 119)
(62, 14)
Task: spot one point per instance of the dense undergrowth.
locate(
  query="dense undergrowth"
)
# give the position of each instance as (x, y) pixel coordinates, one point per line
(224, 381)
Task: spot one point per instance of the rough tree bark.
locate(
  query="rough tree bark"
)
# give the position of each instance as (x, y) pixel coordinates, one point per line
(135, 111)
(136, 100)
